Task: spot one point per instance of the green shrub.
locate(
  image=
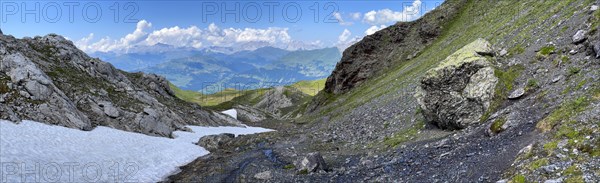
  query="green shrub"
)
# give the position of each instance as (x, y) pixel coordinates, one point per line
(497, 125)
(289, 166)
(519, 179)
(573, 70)
(531, 84)
(547, 50)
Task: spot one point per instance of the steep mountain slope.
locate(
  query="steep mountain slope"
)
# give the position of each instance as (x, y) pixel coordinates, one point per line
(48, 79)
(541, 123)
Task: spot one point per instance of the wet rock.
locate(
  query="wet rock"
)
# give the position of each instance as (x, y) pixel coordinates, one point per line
(215, 142)
(518, 93)
(579, 37)
(266, 175)
(312, 162)
(455, 94)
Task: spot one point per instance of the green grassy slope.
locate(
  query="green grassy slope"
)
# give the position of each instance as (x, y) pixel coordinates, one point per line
(310, 88)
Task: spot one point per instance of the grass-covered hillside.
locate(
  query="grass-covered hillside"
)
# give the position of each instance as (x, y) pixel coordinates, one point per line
(310, 88)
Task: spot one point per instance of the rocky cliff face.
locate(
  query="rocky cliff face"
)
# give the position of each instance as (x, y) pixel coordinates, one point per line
(48, 79)
(389, 47)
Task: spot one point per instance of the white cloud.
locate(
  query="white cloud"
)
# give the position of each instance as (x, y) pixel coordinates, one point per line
(356, 16)
(108, 44)
(138, 35)
(373, 29)
(386, 16)
(345, 40)
(179, 37)
(83, 43)
(344, 36)
(192, 36)
(338, 17)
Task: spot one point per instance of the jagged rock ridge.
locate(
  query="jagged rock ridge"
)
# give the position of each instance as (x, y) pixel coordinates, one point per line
(48, 79)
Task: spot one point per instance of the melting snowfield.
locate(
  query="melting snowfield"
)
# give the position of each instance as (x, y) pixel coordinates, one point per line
(36, 152)
(231, 112)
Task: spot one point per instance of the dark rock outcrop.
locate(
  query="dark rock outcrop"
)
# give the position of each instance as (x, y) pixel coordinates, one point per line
(457, 93)
(311, 163)
(215, 142)
(47, 79)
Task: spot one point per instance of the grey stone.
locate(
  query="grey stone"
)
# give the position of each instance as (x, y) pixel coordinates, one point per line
(573, 52)
(502, 181)
(559, 180)
(518, 93)
(24, 94)
(150, 111)
(110, 110)
(251, 114)
(597, 49)
(312, 162)
(550, 169)
(274, 100)
(579, 37)
(215, 142)
(37, 90)
(456, 93)
(266, 175)
(503, 52)
(556, 79)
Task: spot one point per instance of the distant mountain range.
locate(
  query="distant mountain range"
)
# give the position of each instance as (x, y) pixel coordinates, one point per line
(214, 69)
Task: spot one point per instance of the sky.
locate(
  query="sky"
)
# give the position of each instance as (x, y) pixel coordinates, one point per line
(118, 25)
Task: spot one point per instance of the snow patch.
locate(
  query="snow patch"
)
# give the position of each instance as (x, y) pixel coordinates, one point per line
(231, 112)
(37, 152)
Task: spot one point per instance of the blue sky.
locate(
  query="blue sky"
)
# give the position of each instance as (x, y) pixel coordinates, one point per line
(200, 24)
